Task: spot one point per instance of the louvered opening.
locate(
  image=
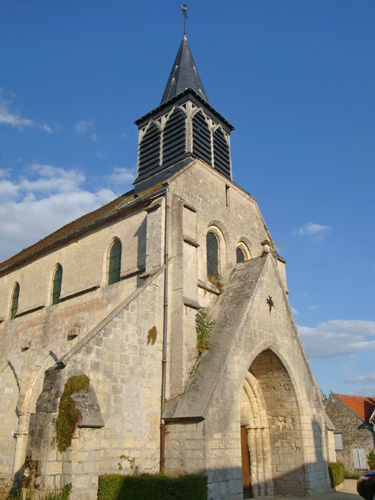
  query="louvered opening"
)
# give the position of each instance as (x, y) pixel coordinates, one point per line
(221, 153)
(174, 138)
(149, 150)
(201, 138)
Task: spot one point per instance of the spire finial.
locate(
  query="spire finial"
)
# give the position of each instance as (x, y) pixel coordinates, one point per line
(184, 11)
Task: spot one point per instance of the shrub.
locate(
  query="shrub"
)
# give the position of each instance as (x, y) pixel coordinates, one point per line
(352, 475)
(69, 416)
(336, 473)
(155, 486)
(371, 460)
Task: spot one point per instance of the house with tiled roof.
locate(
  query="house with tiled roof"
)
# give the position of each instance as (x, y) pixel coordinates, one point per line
(352, 417)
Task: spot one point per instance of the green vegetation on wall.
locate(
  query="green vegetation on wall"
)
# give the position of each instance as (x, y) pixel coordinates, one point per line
(69, 416)
(152, 486)
(203, 328)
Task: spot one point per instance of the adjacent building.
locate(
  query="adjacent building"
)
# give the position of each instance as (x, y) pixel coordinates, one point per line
(354, 431)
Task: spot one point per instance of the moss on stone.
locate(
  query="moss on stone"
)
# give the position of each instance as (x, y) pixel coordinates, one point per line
(69, 416)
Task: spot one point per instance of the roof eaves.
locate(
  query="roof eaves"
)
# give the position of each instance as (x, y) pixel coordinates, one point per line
(178, 96)
(138, 201)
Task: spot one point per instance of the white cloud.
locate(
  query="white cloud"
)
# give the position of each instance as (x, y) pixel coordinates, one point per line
(44, 199)
(295, 311)
(13, 117)
(362, 378)
(338, 337)
(121, 177)
(102, 154)
(87, 128)
(316, 231)
(83, 126)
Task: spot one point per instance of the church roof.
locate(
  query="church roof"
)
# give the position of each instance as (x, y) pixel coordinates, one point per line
(78, 227)
(362, 406)
(184, 75)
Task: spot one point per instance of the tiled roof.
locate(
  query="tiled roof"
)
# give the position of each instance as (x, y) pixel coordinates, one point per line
(75, 227)
(362, 406)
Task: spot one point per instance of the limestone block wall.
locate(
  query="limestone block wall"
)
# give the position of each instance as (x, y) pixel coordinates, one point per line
(226, 208)
(9, 394)
(123, 363)
(84, 262)
(286, 423)
(355, 433)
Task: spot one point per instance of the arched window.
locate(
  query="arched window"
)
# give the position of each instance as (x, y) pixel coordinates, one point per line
(14, 303)
(240, 256)
(212, 246)
(114, 263)
(56, 284)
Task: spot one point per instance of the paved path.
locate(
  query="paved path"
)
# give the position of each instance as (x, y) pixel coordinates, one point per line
(349, 492)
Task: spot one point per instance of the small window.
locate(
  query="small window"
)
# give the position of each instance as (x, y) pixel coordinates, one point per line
(212, 255)
(14, 304)
(240, 256)
(114, 263)
(56, 284)
(359, 458)
(338, 442)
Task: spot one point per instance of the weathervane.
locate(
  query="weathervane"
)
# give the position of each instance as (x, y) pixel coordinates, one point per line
(184, 11)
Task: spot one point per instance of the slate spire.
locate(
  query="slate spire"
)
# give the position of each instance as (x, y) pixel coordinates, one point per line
(184, 75)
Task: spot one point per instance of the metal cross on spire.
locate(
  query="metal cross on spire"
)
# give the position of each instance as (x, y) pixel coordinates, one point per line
(184, 11)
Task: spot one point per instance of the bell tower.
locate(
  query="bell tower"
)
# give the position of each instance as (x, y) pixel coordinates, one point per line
(184, 126)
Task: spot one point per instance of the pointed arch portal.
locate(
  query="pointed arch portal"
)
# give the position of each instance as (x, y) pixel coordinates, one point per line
(270, 430)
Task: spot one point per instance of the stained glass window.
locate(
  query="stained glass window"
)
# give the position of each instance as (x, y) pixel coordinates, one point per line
(14, 304)
(240, 256)
(212, 255)
(114, 263)
(56, 285)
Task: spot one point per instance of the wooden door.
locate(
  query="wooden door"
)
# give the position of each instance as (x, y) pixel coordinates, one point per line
(245, 453)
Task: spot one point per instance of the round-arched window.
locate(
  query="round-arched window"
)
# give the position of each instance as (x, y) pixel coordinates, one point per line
(114, 267)
(212, 247)
(14, 303)
(56, 284)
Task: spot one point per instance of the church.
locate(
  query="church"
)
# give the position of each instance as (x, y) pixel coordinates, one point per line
(164, 316)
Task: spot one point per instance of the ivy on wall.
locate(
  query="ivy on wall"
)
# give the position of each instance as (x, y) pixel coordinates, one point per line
(69, 416)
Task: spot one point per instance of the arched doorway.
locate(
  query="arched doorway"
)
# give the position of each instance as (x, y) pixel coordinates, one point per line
(270, 415)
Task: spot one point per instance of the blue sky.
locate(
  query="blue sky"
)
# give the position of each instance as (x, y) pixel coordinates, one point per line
(295, 77)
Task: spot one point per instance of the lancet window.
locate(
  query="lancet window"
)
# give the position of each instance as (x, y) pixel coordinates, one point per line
(114, 267)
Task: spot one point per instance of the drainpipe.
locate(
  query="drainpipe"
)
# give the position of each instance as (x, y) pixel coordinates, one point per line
(165, 331)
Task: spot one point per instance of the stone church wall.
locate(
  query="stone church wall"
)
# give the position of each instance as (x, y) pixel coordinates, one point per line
(84, 263)
(123, 364)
